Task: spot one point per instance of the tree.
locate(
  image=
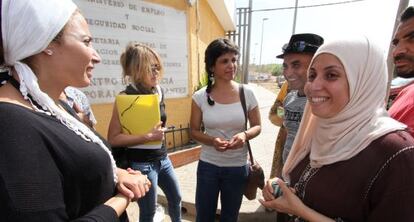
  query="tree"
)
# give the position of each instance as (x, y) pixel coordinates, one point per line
(277, 70)
(268, 68)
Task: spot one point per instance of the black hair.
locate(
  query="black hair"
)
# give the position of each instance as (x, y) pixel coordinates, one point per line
(214, 50)
(407, 14)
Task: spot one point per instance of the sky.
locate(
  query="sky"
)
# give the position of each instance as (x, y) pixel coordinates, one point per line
(372, 18)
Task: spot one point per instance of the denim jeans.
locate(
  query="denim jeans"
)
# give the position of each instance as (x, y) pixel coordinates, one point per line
(212, 180)
(160, 173)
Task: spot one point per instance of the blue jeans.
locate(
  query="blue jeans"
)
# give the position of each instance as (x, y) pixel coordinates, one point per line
(160, 173)
(212, 180)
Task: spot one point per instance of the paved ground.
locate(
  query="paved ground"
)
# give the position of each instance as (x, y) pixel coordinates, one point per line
(263, 147)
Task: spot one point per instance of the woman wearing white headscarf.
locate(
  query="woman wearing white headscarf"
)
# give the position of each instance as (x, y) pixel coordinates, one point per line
(53, 167)
(349, 161)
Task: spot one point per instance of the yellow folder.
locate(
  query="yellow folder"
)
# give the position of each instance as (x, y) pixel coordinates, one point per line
(138, 115)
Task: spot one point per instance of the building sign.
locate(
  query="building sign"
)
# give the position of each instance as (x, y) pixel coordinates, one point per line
(114, 23)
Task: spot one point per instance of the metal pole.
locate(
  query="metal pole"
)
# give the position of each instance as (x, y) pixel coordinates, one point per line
(294, 17)
(239, 27)
(254, 52)
(242, 44)
(390, 61)
(261, 42)
(245, 77)
(239, 31)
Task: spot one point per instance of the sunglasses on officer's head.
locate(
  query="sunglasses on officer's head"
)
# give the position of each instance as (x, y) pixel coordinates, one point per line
(298, 46)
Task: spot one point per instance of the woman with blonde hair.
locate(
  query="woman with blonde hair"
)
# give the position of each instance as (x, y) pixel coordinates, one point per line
(142, 68)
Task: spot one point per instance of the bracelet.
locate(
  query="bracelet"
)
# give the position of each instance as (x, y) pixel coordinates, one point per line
(247, 136)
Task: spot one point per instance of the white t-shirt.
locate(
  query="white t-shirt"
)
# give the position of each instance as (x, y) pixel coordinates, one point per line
(224, 121)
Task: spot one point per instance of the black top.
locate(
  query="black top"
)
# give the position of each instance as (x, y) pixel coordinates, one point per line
(147, 155)
(48, 173)
(375, 185)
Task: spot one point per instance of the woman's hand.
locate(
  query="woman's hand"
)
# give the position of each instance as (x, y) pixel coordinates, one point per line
(132, 183)
(288, 202)
(119, 203)
(237, 141)
(157, 133)
(220, 144)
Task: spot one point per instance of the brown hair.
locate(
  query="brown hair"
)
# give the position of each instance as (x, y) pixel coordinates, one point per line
(136, 62)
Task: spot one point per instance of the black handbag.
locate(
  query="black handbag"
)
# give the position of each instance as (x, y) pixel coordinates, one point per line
(256, 178)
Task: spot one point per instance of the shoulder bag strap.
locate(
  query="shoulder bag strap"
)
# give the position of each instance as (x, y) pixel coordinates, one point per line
(243, 103)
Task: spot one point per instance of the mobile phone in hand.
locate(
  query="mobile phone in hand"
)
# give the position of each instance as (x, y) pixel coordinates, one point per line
(277, 191)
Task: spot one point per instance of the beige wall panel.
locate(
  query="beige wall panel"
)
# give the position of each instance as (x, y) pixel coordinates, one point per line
(178, 110)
